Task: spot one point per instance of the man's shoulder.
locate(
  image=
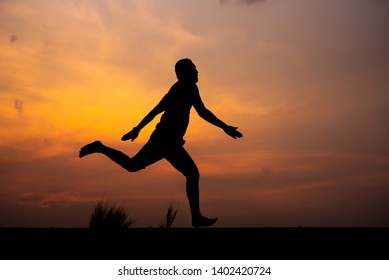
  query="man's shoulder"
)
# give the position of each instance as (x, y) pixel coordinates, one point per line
(184, 86)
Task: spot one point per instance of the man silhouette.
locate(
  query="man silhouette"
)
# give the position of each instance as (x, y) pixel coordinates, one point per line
(167, 139)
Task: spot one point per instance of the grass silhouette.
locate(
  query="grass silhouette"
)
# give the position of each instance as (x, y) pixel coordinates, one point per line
(170, 216)
(105, 216)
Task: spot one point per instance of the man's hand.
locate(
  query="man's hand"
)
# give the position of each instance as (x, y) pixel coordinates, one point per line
(232, 131)
(133, 134)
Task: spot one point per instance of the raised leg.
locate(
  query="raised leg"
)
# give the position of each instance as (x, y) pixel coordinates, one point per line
(91, 148)
(117, 156)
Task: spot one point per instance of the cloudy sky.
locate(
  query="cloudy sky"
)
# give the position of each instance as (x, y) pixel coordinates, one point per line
(305, 81)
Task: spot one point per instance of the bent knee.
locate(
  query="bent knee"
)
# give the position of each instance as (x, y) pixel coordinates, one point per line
(133, 167)
(192, 174)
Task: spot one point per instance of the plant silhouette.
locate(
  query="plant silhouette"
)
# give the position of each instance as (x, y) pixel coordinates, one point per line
(109, 217)
(166, 141)
(170, 217)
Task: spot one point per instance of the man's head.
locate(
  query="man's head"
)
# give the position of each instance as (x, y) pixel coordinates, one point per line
(186, 71)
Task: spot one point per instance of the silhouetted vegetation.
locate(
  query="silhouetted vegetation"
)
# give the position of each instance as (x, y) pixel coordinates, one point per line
(105, 216)
(170, 216)
(109, 217)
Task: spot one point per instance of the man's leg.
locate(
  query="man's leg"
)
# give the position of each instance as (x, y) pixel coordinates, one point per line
(181, 160)
(145, 156)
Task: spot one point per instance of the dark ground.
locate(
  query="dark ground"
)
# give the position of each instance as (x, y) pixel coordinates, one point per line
(203, 243)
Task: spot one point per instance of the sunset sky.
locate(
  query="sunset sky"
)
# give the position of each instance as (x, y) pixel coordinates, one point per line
(306, 82)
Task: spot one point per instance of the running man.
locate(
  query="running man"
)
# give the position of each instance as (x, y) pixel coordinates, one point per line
(166, 142)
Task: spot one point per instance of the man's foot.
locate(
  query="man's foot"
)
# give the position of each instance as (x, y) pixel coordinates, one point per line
(90, 148)
(203, 222)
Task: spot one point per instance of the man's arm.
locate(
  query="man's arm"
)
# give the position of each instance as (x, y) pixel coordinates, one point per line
(211, 118)
(133, 134)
